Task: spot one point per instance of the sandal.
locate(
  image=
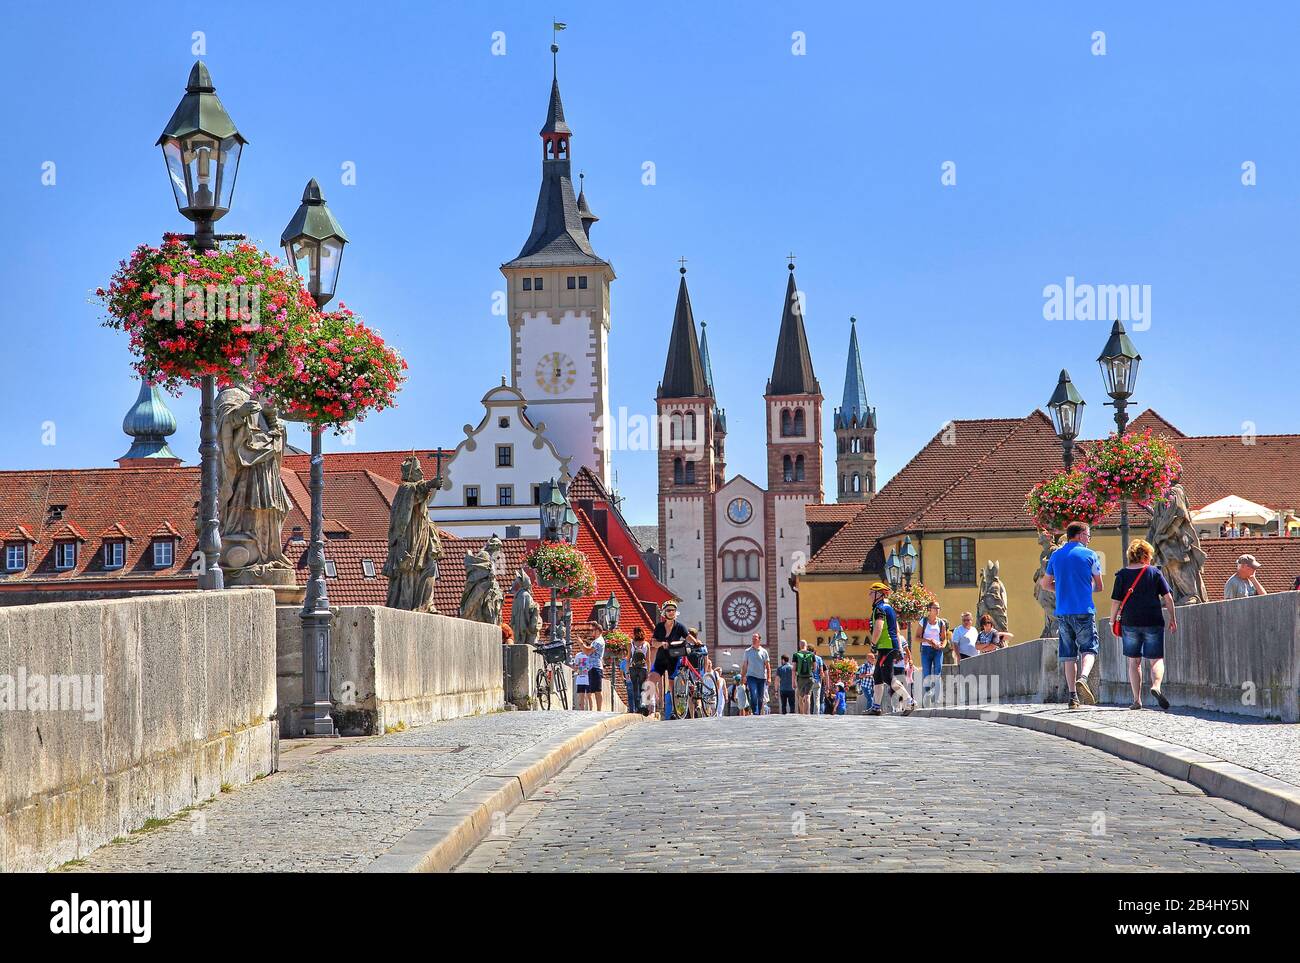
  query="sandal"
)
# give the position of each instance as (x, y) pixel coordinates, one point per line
(1136, 705)
(1160, 697)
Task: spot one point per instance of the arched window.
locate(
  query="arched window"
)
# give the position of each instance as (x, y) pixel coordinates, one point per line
(798, 468)
(787, 468)
(752, 558)
(785, 422)
(857, 483)
(841, 484)
(689, 434)
(729, 566)
(675, 426)
(800, 423)
(690, 473)
(839, 445)
(678, 476)
(871, 445)
(871, 482)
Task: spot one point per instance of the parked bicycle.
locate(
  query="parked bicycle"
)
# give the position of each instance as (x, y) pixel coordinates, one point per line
(553, 677)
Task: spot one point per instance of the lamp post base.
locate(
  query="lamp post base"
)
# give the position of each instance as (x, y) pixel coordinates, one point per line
(316, 720)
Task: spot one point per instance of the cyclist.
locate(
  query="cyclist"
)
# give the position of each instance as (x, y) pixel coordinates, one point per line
(888, 653)
(670, 645)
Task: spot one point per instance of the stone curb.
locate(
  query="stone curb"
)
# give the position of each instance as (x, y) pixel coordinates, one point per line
(442, 840)
(1278, 800)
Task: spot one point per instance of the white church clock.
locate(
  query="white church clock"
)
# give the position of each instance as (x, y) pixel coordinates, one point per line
(556, 373)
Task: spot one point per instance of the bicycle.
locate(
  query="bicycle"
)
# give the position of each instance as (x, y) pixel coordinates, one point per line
(689, 691)
(552, 676)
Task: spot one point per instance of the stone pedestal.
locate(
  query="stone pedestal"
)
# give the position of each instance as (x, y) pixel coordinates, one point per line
(281, 580)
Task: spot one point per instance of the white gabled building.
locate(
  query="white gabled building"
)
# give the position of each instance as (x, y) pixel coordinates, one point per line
(491, 483)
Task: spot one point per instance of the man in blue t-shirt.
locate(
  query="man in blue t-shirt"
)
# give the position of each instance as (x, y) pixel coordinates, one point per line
(1074, 573)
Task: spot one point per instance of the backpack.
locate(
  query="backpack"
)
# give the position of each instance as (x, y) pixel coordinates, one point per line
(804, 660)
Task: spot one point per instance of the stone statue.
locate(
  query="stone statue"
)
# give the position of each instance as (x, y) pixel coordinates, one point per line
(1178, 547)
(482, 599)
(413, 543)
(993, 598)
(1047, 597)
(251, 496)
(525, 613)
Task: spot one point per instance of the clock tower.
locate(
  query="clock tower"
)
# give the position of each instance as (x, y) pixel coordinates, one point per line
(558, 305)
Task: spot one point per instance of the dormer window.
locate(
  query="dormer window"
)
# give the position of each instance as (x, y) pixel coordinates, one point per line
(164, 553)
(114, 554)
(15, 556)
(65, 556)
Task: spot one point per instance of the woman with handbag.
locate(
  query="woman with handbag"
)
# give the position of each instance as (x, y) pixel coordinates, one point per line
(934, 639)
(1136, 618)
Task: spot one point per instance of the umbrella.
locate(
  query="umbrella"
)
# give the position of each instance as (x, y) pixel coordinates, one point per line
(1232, 509)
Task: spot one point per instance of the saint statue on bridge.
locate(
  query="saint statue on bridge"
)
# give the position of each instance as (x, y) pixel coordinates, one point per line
(414, 547)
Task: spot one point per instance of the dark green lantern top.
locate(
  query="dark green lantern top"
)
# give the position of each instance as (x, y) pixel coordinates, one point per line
(1119, 363)
(1066, 406)
(201, 146)
(313, 244)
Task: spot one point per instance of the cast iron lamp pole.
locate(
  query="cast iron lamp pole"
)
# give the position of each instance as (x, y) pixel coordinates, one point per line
(1066, 406)
(313, 245)
(201, 147)
(554, 511)
(1119, 367)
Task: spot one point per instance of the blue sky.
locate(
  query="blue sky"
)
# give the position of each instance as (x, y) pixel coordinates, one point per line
(1117, 169)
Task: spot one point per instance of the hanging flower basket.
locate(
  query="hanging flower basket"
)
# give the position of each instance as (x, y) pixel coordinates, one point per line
(911, 603)
(1136, 468)
(561, 567)
(843, 670)
(333, 370)
(191, 314)
(1065, 498)
(617, 643)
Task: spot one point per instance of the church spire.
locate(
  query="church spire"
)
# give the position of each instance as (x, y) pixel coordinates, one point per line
(684, 369)
(148, 422)
(854, 409)
(559, 234)
(584, 211)
(792, 371)
(704, 356)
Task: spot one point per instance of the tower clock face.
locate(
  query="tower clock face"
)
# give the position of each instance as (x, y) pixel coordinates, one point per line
(556, 373)
(739, 510)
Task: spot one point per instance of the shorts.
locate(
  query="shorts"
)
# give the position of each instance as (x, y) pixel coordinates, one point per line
(594, 679)
(805, 686)
(1143, 641)
(1078, 636)
(665, 663)
(580, 688)
(884, 671)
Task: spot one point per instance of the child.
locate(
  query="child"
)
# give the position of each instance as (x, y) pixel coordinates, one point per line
(841, 706)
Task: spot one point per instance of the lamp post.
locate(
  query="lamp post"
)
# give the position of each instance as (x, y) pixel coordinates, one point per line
(201, 147)
(1066, 406)
(555, 512)
(1119, 367)
(908, 557)
(313, 245)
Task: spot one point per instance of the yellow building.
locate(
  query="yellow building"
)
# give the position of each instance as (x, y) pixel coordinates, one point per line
(961, 501)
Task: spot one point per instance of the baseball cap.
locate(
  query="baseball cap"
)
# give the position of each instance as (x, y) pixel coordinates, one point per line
(1250, 560)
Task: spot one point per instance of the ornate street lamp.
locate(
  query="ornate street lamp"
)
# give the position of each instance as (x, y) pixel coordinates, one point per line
(894, 570)
(555, 513)
(201, 147)
(611, 614)
(311, 232)
(1066, 406)
(313, 244)
(1119, 367)
(908, 558)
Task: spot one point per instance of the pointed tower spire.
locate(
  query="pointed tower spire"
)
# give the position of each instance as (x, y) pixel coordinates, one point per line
(854, 409)
(584, 212)
(684, 369)
(704, 356)
(792, 371)
(559, 234)
(148, 422)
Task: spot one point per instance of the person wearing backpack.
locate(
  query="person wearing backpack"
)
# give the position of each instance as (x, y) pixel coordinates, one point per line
(638, 667)
(1135, 616)
(934, 639)
(804, 663)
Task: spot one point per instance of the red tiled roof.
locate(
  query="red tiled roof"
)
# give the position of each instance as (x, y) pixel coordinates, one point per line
(116, 531)
(386, 464)
(934, 469)
(1278, 557)
(355, 501)
(108, 500)
(975, 475)
(835, 512)
(587, 486)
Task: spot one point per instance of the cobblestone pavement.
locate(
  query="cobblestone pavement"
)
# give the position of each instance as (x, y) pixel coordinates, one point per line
(341, 809)
(850, 793)
(1264, 745)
